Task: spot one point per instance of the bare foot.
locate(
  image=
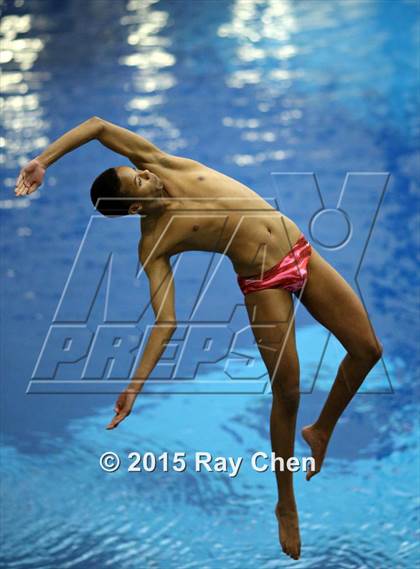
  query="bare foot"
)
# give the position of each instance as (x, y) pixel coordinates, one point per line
(318, 442)
(289, 536)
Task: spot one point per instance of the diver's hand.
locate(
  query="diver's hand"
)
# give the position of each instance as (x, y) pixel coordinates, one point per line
(30, 178)
(123, 406)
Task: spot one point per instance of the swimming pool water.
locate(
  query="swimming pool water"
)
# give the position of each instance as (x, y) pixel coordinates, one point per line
(252, 88)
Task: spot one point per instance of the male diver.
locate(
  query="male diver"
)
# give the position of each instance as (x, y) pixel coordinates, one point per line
(272, 260)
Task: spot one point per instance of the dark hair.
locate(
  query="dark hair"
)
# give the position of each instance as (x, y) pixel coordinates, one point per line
(106, 194)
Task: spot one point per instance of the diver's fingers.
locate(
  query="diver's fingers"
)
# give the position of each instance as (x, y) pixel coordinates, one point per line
(32, 188)
(19, 184)
(21, 189)
(117, 420)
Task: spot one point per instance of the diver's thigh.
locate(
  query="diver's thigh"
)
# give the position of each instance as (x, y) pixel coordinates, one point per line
(271, 315)
(274, 305)
(332, 301)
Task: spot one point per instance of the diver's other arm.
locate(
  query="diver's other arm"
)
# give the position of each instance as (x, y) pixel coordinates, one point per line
(162, 295)
(118, 139)
(138, 149)
(72, 139)
(32, 175)
(128, 143)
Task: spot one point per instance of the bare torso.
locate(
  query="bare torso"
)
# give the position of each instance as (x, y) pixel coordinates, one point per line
(209, 211)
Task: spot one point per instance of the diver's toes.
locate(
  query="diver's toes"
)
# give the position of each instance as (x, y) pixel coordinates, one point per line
(311, 473)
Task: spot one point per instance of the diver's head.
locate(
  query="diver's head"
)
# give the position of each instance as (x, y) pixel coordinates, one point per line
(124, 190)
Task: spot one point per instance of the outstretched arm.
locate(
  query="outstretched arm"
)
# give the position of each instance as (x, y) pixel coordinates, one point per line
(118, 139)
(162, 295)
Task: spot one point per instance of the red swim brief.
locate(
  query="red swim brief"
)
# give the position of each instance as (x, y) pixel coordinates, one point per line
(290, 273)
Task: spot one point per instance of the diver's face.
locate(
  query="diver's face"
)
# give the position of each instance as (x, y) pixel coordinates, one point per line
(139, 183)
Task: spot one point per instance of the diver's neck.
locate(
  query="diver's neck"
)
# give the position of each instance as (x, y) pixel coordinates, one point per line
(156, 207)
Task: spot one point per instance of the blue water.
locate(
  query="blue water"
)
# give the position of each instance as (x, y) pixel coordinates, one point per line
(255, 89)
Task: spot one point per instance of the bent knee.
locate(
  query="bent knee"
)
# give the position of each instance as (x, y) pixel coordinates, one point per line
(370, 351)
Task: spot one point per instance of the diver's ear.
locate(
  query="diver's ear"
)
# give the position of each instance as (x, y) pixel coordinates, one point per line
(134, 208)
